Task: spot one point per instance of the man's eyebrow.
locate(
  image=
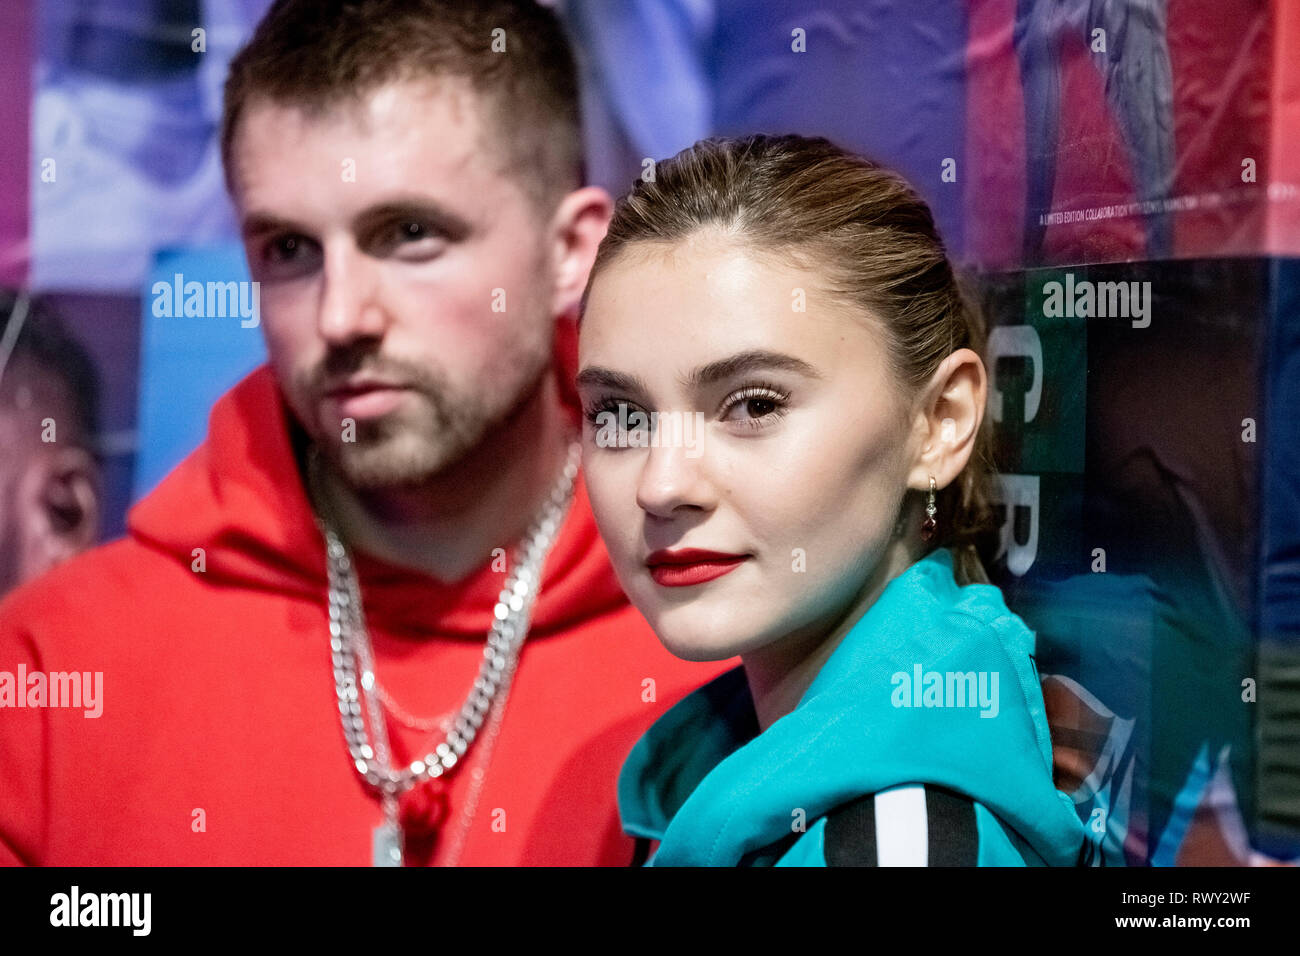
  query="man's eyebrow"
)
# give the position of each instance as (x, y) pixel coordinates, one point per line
(450, 224)
(258, 222)
(442, 219)
(748, 361)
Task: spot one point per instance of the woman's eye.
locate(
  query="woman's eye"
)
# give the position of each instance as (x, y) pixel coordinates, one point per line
(610, 412)
(758, 407)
(755, 406)
(617, 424)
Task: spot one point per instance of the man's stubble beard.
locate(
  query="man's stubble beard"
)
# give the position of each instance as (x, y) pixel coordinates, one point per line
(410, 448)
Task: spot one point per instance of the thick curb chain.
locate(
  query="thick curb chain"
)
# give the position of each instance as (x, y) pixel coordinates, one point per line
(351, 652)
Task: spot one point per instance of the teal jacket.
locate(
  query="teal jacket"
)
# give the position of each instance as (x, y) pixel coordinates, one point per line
(922, 740)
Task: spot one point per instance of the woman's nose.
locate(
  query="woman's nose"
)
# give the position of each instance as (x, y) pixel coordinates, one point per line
(674, 476)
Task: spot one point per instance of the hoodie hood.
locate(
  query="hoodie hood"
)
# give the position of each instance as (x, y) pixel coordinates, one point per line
(711, 788)
(241, 498)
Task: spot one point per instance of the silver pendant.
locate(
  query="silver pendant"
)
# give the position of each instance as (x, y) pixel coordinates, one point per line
(386, 844)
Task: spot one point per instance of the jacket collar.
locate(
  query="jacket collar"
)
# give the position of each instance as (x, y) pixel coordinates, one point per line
(704, 782)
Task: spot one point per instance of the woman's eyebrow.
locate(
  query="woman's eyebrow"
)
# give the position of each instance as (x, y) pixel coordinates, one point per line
(597, 376)
(748, 361)
(752, 360)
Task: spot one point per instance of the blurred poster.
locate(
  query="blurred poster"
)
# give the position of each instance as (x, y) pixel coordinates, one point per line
(126, 111)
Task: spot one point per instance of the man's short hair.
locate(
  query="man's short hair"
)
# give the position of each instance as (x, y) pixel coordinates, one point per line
(318, 54)
(44, 347)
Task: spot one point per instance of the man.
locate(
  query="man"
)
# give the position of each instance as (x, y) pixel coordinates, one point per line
(407, 177)
(49, 476)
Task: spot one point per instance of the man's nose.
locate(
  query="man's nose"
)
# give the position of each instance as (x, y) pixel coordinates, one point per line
(349, 308)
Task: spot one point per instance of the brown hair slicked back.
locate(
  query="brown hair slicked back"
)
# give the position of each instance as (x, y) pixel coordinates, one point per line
(318, 54)
(871, 237)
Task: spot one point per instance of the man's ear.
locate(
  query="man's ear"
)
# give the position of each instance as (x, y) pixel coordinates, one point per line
(949, 417)
(62, 514)
(579, 224)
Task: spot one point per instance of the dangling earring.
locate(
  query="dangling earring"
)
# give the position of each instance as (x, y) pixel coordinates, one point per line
(928, 526)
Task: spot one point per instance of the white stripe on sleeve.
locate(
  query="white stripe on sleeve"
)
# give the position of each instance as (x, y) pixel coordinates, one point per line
(902, 831)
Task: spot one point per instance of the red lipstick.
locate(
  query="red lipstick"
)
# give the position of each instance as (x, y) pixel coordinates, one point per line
(688, 566)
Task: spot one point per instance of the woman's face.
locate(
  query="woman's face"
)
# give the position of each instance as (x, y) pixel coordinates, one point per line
(799, 467)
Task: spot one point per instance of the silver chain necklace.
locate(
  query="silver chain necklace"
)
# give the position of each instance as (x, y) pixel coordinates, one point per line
(354, 670)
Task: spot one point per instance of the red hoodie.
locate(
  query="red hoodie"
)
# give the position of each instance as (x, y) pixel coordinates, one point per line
(219, 740)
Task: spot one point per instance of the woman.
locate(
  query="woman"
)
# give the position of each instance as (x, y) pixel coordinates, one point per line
(787, 454)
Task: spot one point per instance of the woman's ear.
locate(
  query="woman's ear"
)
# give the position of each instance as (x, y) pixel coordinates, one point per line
(950, 413)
